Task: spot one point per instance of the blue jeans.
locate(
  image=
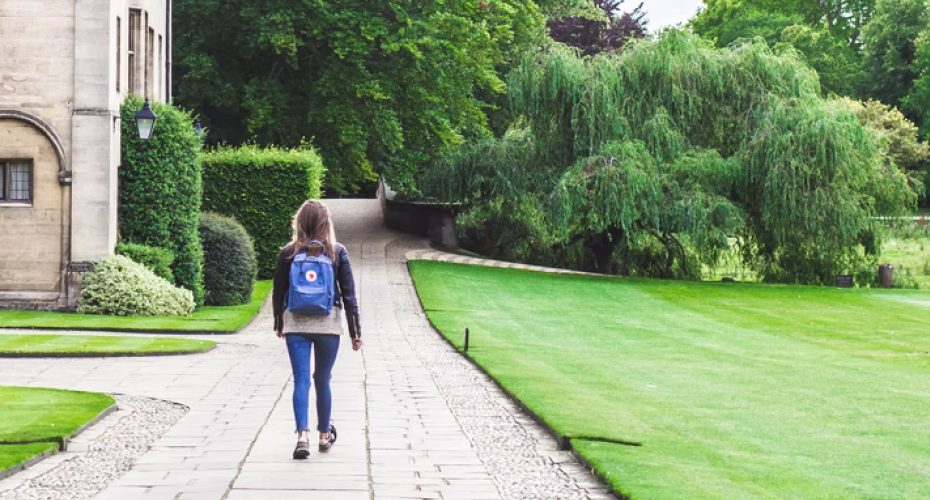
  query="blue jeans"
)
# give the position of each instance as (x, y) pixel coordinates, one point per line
(298, 348)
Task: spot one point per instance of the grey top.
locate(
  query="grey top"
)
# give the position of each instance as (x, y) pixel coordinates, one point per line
(314, 323)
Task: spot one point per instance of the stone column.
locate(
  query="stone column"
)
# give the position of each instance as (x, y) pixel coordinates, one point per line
(95, 133)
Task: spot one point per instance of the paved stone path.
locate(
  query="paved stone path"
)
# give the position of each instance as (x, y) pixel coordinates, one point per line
(415, 420)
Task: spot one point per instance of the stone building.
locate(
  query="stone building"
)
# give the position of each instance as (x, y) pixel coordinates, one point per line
(65, 67)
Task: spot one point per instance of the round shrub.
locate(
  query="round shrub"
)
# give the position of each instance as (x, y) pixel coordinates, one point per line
(229, 260)
(158, 260)
(121, 287)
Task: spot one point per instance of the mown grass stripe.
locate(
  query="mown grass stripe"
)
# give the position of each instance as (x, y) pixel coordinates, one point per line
(734, 391)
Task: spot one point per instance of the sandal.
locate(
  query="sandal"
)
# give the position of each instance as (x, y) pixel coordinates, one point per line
(326, 444)
(302, 450)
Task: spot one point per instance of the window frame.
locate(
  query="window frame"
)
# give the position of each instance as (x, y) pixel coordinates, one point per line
(5, 196)
(160, 95)
(119, 52)
(149, 61)
(132, 50)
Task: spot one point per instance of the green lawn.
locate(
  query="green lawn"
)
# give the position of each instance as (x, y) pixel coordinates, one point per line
(205, 319)
(88, 344)
(734, 391)
(33, 421)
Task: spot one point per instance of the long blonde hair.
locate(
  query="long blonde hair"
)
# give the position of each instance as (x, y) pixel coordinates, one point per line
(312, 222)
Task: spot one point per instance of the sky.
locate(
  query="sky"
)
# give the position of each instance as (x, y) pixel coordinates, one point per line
(661, 13)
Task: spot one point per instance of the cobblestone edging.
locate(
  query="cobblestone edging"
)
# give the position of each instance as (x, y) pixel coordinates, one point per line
(100, 455)
(523, 459)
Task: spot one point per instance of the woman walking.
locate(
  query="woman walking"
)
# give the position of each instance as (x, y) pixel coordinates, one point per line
(314, 238)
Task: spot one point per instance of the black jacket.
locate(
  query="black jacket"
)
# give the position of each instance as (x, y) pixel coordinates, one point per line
(345, 289)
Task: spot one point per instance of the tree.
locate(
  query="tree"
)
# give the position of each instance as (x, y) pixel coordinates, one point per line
(899, 139)
(890, 48)
(730, 142)
(836, 63)
(380, 87)
(827, 33)
(723, 19)
(734, 21)
(917, 102)
(607, 32)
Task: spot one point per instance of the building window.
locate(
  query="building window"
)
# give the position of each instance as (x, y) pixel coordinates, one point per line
(16, 181)
(119, 51)
(149, 63)
(135, 16)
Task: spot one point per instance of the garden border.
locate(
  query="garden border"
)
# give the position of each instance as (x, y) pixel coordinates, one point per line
(10, 329)
(62, 443)
(102, 354)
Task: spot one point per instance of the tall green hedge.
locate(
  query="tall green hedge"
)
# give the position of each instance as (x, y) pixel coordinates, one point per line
(261, 188)
(161, 187)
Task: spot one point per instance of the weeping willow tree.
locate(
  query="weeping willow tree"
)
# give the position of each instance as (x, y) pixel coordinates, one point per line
(649, 161)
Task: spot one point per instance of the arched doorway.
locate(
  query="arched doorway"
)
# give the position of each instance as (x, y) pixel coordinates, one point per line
(34, 212)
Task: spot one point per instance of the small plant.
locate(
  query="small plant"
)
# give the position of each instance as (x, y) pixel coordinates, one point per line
(121, 287)
(229, 260)
(158, 260)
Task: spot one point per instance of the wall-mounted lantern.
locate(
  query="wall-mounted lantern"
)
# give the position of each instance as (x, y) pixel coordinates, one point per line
(145, 121)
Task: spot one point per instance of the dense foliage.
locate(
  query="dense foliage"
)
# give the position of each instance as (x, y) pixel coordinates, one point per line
(836, 63)
(261, 188)
(726, 20)
(918, 101)
(718, 142)
(158, 260)
(890, 49)
(121, 287)
(229, 266)
(898, 135)
(160, 189)
(378, 86)
(860, 48)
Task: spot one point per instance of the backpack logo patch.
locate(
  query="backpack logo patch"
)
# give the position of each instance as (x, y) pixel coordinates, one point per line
(311, 276)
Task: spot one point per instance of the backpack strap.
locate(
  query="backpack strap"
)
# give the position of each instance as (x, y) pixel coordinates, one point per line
(316, 243)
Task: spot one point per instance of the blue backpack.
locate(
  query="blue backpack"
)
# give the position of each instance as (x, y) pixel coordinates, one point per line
(313, 284)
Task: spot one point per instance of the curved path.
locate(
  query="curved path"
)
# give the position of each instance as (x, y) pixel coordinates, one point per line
(416, 421)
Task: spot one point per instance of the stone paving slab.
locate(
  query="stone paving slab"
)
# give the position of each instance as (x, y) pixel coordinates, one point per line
(415, 420)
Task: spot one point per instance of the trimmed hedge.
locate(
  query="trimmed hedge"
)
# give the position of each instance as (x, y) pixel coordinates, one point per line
(261, 188)
(158, 260)
(120, 287)
(161, 188)
(229, 265)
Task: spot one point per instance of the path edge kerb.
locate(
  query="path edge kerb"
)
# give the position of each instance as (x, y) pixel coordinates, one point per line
(564, 442)
(62, 443)
(8, 329)
(103, 354)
